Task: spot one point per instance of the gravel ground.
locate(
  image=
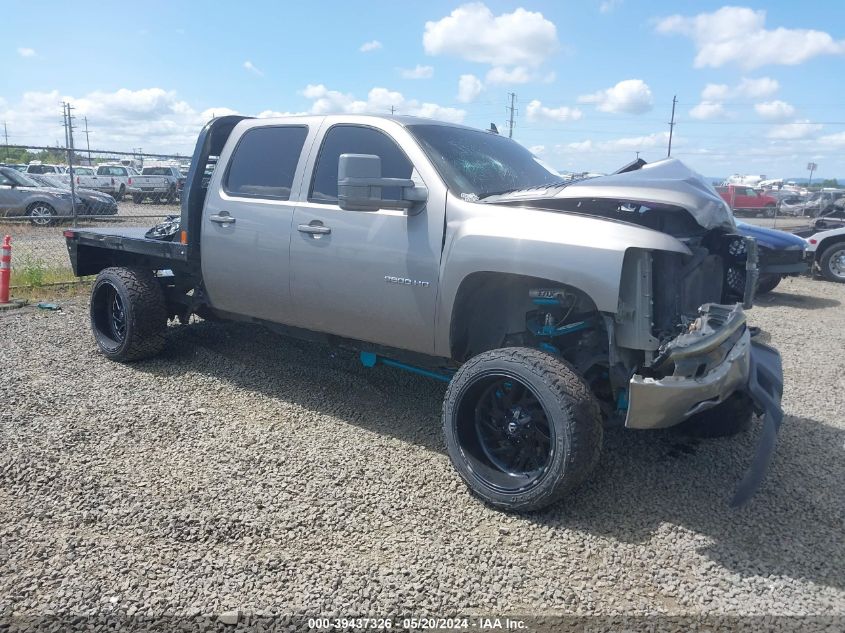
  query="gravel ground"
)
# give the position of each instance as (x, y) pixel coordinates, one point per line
(245, 471)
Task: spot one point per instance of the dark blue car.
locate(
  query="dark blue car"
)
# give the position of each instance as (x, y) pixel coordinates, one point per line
(781, 254)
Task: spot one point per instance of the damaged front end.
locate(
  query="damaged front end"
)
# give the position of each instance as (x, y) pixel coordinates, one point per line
(712, 357)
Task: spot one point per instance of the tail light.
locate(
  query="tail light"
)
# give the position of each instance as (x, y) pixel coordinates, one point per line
(112, 181)
(69, 233)
(129, 181)
(77, 180)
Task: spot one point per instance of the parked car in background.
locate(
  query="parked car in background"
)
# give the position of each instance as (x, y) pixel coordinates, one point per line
(37, 167)
(87, 178)
(93, 202)
(748, 200)
(21, 196)
(818, 204)
(175, 182)
(833, 218)
(118, 176)
(780, 254)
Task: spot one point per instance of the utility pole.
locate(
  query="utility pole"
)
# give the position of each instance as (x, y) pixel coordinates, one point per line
(6, 148)
(638, 155)
(68, 122)
(392, 109)
(512, 111)
(87, 141)
(811, 167)
(672, 125)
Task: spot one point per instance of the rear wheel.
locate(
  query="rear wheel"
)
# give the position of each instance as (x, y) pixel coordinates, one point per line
(832, 262)
(522, 428)
(770, 211)
(120, 193)
(170, 196)
(128, 314)
(137, 198)
(41, 214)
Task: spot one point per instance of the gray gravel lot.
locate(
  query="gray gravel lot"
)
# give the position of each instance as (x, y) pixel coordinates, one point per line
(242, 470)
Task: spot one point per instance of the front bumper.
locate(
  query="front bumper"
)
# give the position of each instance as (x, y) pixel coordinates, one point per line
(701, 369)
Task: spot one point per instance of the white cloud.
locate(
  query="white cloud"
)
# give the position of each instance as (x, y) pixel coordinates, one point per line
(537, 150)
(249, 66)
(473, 33)
(608, 6)
(715, 92)
(372, 45)
(516, 75)
(776, 110)
(152, 118)
(379, 100)
(738, 35)
(707, 110)
(625, 144)
(757, 88)
(469, 87)
(632, 96)
(536, 111)
(418, 72)
(836, 141)
(795, 130)
(26, 52)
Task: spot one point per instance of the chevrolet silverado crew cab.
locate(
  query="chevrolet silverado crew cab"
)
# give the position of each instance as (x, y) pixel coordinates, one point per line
(550, 308)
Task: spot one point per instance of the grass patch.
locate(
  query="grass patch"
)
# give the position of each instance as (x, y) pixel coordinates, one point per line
(32, 278)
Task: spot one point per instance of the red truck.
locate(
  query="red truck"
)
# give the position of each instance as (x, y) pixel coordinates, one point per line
(749, 200)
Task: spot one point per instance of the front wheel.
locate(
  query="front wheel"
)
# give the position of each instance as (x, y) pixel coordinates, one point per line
(521, 427)
(832, 263)
(41, 214)
(128, 314)
(767, 283)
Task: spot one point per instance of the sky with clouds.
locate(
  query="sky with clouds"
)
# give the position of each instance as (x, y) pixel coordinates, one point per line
(759, 86)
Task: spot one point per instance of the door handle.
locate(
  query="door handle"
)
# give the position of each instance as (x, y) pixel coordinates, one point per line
(314, 229)
(222, 218)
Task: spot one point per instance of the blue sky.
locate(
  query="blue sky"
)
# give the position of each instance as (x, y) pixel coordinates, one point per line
(759, 85)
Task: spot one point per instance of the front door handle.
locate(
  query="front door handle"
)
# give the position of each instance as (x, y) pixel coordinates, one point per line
(314, 229)
(222, 218)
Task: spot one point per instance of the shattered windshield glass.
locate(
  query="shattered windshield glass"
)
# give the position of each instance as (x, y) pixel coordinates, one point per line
(478, 164)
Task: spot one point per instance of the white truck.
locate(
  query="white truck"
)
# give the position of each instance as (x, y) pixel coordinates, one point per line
(126, 180)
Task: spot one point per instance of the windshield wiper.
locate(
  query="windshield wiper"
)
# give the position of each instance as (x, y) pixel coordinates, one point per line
(549, 185)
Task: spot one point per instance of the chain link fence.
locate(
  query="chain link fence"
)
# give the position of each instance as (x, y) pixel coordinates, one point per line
(45, 190)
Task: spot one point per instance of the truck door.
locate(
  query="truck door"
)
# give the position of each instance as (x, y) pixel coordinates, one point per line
(368, 275)
(245, 235)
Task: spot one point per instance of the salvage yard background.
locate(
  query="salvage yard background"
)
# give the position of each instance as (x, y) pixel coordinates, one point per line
(245, 471)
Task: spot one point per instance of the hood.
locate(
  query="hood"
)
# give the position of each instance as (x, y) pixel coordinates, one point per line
(771, 238)
(666, 182)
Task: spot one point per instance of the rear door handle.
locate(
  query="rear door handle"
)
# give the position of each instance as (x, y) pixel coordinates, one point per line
(222, 218)
(314, 229)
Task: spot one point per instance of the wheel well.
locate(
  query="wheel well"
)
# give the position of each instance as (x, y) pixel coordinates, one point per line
(46, 204)
(490, 306)
(826, 243)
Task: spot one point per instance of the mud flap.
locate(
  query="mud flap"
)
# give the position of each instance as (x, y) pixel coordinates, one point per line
(765, 386)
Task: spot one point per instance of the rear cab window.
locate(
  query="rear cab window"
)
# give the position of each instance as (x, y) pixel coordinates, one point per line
(264, 162)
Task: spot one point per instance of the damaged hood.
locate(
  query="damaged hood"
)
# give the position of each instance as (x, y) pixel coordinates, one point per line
(665, 182)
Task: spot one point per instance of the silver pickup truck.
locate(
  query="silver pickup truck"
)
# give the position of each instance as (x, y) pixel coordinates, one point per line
(551, 308)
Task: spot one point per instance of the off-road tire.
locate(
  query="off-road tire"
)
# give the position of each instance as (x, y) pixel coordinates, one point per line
(569, 407)
(767, 283)
(144, 308)
(731, 417)
(825, 262)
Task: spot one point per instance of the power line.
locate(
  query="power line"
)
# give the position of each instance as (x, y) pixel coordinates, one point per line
(513, 111)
